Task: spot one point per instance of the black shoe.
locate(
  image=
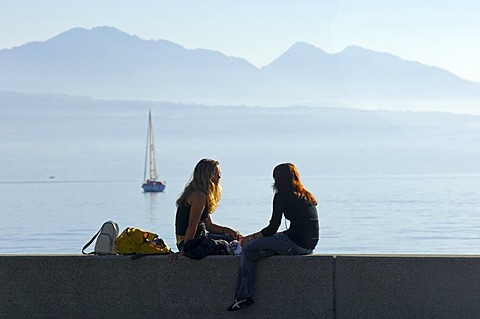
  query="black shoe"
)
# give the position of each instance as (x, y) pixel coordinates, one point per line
(240, 303)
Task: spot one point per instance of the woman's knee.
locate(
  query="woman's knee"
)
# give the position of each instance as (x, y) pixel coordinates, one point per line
(254, 254)
(249, 251)
(247, 248)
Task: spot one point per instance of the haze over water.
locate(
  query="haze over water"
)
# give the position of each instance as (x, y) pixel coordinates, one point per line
(385, 182)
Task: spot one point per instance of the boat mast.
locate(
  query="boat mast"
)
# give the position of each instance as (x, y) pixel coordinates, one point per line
(146, 148)
(153, 172)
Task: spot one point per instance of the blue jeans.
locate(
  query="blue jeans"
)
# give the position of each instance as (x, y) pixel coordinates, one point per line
(257, 249)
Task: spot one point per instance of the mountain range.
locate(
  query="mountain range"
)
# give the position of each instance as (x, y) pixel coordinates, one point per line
(106, 63)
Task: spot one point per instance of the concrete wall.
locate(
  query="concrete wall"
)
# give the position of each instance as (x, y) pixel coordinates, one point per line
(154, 287)
(407, 287)
(287, 287)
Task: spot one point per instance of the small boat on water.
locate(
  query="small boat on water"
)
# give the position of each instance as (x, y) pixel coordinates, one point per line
(152, 184)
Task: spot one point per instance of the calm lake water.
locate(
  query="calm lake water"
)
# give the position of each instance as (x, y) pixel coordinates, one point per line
(409, 214)
(386, 182)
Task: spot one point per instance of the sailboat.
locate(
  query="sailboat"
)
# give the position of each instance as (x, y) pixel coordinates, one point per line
(152, 184)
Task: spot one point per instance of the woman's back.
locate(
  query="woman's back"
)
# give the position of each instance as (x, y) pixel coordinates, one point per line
(303, 217)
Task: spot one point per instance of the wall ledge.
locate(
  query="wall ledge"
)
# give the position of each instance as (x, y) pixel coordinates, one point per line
(314, 286)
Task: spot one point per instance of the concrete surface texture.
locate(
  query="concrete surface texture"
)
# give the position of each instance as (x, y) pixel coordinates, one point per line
(313, 286)
(407, 287)
(154, 287)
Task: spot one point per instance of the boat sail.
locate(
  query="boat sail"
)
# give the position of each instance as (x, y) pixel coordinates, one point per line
(152, 184)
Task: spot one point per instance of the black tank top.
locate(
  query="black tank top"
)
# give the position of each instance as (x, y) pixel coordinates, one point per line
(181, 221)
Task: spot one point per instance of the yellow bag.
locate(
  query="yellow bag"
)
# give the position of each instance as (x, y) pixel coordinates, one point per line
(137, 241)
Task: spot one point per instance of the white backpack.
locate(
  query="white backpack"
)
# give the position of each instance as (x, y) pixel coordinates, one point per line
(105, 244)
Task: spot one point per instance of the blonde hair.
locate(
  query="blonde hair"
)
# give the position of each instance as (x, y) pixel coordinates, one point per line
(201, 181)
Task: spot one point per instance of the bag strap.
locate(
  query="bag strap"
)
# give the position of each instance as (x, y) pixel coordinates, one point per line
(90, 242)
(136, 256)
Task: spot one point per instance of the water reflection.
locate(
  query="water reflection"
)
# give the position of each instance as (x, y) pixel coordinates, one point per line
(151, 206)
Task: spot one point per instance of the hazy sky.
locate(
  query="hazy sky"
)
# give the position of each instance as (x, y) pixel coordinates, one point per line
(439, 33)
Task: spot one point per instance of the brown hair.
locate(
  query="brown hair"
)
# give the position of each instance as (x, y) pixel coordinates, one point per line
(287, 180)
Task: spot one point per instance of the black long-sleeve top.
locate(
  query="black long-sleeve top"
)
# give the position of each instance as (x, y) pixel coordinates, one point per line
(303, 217)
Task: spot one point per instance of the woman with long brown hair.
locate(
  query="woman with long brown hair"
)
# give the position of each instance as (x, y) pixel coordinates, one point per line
(298, 205)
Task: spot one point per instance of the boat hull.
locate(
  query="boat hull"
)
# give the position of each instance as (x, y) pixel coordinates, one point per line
(153, 187)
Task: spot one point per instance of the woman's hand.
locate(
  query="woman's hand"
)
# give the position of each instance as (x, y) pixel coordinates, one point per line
(245, 240)
(174, 256)
(229, 231)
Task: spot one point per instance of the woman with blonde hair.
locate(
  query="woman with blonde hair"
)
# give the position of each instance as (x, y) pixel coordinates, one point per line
(197, 202)
(298, 205)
